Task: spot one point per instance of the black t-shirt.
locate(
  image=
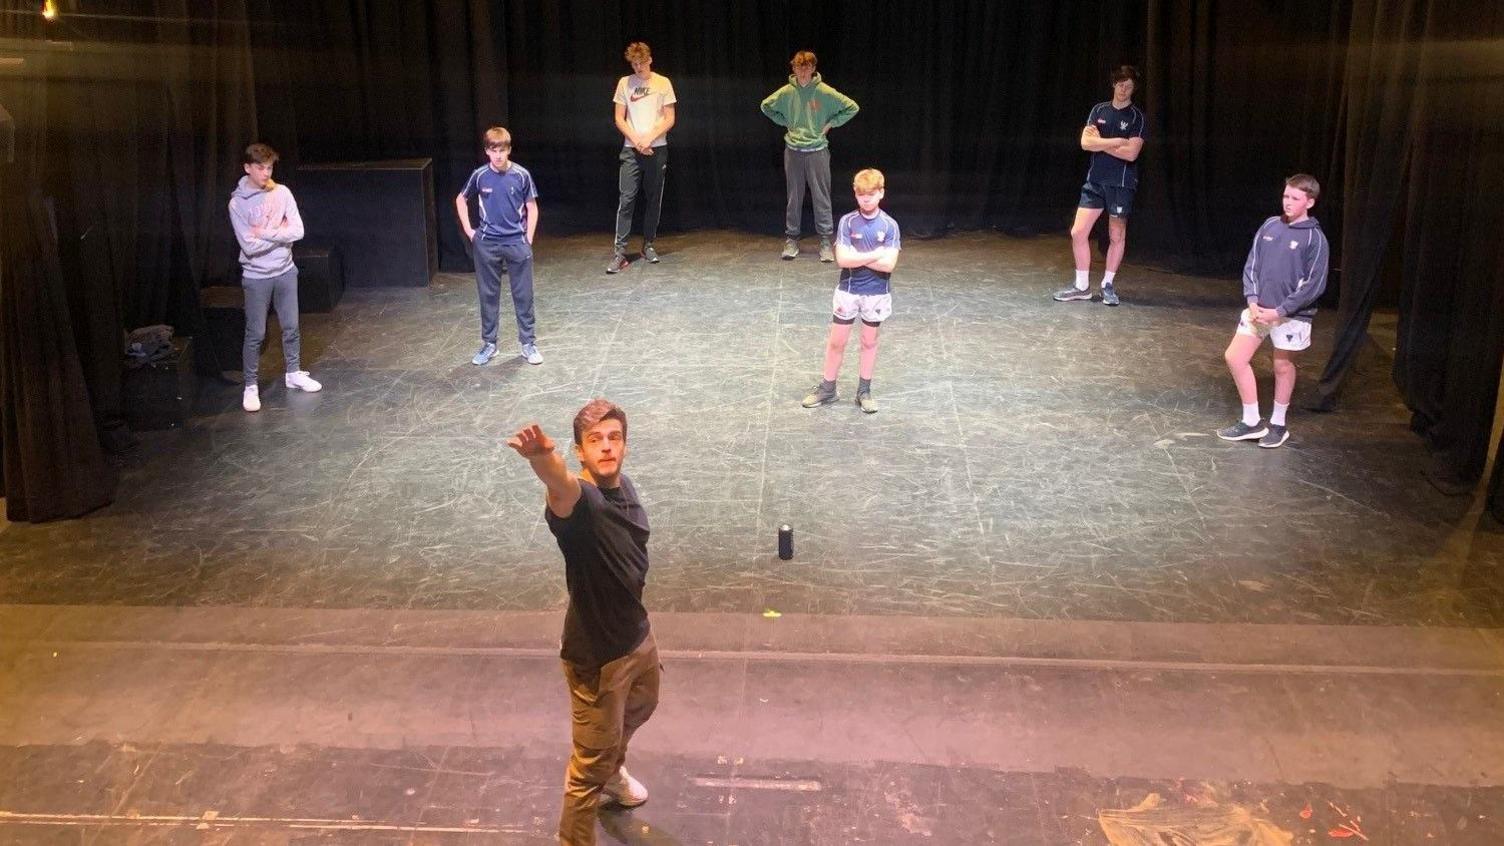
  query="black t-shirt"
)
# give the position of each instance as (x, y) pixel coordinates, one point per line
(605, 546)
(1106, 169)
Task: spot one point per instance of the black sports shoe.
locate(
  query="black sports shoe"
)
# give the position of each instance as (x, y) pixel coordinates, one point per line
(1275, 437)
(818, 397)
(1241, 431)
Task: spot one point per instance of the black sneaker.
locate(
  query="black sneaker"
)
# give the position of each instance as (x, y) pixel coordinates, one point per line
(1275, 437)
(867, 403)
(1241, 431)
(618, 263)
(817, 397)
(1065, 295)
(649, 253)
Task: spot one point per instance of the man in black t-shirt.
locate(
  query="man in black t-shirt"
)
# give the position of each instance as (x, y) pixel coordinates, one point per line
(610, 659)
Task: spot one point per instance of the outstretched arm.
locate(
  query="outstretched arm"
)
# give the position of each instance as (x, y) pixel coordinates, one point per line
(538, 448)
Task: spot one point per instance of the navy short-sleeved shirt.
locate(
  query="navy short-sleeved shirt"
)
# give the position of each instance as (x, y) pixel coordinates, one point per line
(866, 235)
(605, 546)
(1106, 169)
(503, 200)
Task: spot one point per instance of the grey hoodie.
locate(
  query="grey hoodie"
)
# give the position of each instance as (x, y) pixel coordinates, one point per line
(1286, 268)
(276, 212)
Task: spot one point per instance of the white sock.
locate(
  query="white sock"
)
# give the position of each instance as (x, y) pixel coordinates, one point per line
(1107, 277)
(1277, 417)
(1082, 283)
(1250, 414)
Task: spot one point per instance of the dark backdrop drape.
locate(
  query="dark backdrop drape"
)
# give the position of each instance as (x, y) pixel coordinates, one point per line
(1425, 145)
(972, 108)
(133, 117)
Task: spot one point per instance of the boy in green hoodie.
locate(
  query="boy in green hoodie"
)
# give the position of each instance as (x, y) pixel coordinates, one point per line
(808, 108)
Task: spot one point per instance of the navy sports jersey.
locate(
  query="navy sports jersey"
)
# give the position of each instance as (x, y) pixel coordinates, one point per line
(865, 236)
(503, 201)
(1106, 169)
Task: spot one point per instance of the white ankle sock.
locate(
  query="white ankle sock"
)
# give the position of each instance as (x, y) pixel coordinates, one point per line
(1107, 278)
(1251, 414)
(1082, 283)
(1277, 417)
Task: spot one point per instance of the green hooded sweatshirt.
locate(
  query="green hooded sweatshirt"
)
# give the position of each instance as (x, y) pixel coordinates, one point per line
(806, 109)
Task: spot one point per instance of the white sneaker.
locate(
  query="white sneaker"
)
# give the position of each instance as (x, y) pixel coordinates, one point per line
(624, 790)
(251, 399)
(302, 382)
(531, 354)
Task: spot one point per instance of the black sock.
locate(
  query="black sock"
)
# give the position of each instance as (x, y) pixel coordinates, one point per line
(863, 386)
(827, 386)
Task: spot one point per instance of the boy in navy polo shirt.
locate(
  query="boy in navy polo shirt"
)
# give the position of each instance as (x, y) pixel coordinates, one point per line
(503, 243)
(1114, 135)
(1282, 280)
(867, 245)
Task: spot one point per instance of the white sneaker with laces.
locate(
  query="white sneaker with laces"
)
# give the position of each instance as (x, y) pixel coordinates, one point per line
(251, 399)
(624, 790)
(301, 381)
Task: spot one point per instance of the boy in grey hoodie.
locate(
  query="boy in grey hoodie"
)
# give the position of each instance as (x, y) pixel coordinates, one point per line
(1282, 280)
(809, 109)
(266, 222)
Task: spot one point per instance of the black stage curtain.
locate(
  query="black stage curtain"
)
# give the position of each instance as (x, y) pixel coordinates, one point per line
(52, 462)
(1425, 108)
(135, 117)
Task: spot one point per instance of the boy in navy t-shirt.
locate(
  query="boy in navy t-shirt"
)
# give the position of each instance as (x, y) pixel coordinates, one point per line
(503, 243)
(1114, 135)
(867, 245)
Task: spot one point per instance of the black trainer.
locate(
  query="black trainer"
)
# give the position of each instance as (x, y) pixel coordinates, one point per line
(818, 396)
(1275, 437)
(1241, 431)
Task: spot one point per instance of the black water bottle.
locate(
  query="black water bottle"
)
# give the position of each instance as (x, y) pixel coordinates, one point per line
(785, 541)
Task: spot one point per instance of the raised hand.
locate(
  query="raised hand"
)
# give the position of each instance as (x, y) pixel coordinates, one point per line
(530, 442)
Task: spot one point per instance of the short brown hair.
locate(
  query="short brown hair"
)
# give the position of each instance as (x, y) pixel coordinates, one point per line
(593, 413)
(868, 180)
(1122, 72)
(1305, 182)
(497, 135)
(637, 51)
(804, 57)
(259, 153)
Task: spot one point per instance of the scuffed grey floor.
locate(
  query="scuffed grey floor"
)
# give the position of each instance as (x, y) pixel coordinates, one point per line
(1030, 459)
(1031, 601)
(163, 725)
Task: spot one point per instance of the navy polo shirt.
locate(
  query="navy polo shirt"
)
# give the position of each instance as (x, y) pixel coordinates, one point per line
(1106, 169)
(503, 201)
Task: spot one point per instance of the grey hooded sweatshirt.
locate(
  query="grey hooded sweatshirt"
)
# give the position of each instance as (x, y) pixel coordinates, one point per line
(276, 212)
(1286, 268)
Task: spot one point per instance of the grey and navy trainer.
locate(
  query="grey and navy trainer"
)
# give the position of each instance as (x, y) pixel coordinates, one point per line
(1241, 431)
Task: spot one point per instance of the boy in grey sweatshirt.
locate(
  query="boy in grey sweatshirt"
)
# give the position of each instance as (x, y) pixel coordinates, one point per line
(1282, 280)
(266, 222)
(809, 109)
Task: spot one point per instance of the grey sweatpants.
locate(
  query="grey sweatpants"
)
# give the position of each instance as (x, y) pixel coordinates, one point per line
(810, 168)
(281, 292)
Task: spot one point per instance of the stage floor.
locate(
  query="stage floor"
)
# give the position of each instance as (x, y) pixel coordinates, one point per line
(1030, 459)
(1023, 590)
